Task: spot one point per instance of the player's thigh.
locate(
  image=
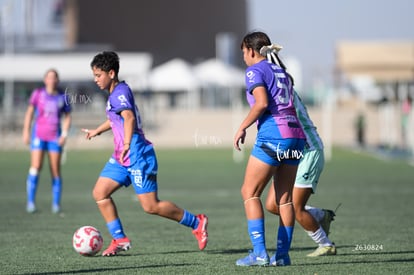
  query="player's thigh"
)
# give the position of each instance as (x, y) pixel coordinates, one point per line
(257, 175)
(283, 182)
(36, 158)
(271, 200)
(54, 162)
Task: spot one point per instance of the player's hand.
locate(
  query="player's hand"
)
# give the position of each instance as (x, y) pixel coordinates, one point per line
(239, 138)
(90, 133)
(62, 140)
(26, 138)
(123, 153)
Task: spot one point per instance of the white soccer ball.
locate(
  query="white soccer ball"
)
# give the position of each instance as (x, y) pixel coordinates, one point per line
(87, 241)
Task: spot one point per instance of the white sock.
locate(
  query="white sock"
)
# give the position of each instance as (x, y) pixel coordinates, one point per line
(319, 237)
(317, 213)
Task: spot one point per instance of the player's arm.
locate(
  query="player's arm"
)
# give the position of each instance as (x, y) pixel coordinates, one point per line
(129, 122)
(67, 120)
(259, 107)
(27, 123)
(99, 130)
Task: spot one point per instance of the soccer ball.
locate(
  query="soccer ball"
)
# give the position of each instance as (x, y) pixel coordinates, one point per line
(87, 241)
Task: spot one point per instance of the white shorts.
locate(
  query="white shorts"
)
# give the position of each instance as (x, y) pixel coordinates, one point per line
(310, 169)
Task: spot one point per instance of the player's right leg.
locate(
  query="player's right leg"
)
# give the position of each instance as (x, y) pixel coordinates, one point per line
(36, 161)
(110, 180)
(257, 175)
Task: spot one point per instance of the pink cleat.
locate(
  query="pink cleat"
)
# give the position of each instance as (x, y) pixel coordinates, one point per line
(201, 231)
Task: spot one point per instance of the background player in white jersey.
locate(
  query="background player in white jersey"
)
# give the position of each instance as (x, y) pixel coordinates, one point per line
(48, 106)
(133, 161)
(315, 221)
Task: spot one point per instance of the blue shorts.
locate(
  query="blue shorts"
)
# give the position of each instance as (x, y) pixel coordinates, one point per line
(143, 173)
(43, 145)
(279, 151)
(310, 169)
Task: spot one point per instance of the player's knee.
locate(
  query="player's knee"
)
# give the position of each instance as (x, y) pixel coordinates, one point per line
(150, 208)
(299, 212)
(98, 195)
(247, 192)
(33, 171)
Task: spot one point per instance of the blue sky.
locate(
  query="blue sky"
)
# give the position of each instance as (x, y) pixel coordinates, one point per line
(310, 29)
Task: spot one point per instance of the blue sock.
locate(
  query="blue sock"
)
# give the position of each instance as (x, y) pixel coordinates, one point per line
(189, 220)
(256, 231)
(56, 190)
(284, 239)
(115, 229)
(31, 186)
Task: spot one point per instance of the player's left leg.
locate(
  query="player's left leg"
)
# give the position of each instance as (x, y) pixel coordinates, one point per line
(54, 163)
(303, 217)
(283, 185)
(311, 226)
(143, 177)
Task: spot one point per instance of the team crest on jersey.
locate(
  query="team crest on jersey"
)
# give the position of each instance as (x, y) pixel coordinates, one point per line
(250, 75)
(123, 100)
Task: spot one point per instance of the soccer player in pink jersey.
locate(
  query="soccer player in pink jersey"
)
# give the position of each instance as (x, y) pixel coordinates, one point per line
(133, 162)
(48, 106)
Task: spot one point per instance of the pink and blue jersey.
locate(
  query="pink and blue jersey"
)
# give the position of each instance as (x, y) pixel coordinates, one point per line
(48, 111)
(279, 121)
(119, 100)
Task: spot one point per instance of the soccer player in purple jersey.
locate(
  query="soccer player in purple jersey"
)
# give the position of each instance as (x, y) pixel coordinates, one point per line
(133, 161)
(48, 106)
(276, 153)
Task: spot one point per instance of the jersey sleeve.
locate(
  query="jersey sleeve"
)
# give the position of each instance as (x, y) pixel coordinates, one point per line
(254, 78)
(121, 101)
(34, 98)
(67, 108)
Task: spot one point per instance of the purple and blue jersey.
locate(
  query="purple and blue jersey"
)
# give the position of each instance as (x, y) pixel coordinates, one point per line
(48, 111)
(119, 100)
(279, 121)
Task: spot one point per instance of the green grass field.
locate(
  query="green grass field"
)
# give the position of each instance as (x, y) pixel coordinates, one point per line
(373, 230)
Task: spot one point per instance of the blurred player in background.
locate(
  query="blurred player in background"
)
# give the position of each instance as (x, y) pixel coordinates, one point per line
(48, 106)
(315, 221)
(278, 148)
(133, 161)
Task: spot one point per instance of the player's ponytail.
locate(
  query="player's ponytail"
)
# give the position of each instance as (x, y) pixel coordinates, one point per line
(271, 53)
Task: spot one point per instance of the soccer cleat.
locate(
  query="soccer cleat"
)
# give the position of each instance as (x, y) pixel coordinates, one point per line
(328, 217)
(200, 232)
(117, 245)
(323, 251)
(282, 261)
(254, 260)
(30, 208)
